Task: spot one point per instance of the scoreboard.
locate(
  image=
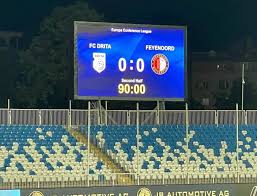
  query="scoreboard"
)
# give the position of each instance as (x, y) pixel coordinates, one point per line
(129, 61)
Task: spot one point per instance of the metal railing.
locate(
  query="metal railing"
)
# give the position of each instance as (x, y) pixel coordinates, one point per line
(124, 180)
(123, 117)
(73, 117)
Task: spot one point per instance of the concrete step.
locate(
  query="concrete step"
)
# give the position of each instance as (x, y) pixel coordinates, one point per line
(122, 176)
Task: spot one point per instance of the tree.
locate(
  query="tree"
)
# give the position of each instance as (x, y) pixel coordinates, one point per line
(47, 76)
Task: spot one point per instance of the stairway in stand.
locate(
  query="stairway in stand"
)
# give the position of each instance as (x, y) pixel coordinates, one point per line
(122, 177)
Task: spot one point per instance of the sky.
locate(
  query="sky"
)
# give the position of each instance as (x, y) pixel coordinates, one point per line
(212, 24)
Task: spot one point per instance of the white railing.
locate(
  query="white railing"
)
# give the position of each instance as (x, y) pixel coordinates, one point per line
(123, 117)
(124, 180)
(4, 116)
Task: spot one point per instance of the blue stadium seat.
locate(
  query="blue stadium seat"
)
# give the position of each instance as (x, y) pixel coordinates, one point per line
(31, 152)
(163, 148)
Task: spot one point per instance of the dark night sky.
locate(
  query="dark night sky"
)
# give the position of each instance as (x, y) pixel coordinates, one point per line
(212, 24)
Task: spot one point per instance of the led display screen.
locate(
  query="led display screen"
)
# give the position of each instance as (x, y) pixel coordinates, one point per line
(129, 61)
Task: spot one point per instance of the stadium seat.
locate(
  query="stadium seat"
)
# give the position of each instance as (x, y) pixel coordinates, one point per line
(30, 153)
(163, 149)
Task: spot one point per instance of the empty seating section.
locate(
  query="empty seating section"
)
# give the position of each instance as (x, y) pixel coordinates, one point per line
(44, 153)
(248, 149)
(31, 153)
(163, 150)
(213, 151)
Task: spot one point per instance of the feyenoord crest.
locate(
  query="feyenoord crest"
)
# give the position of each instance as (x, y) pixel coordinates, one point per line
(99, 62)
(160, 64)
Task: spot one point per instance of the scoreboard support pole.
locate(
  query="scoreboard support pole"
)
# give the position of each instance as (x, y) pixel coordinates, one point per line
(69, 115)
(9, 112)
(160, 106)
(102, 112)
(158, 113)
(137, 137)
(187, 144)
(106, 113)
(100, 120)
(237, 145)
(88, 140)
(100, 109)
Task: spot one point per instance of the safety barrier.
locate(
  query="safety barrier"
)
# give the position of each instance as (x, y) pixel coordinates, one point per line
(123, 117)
